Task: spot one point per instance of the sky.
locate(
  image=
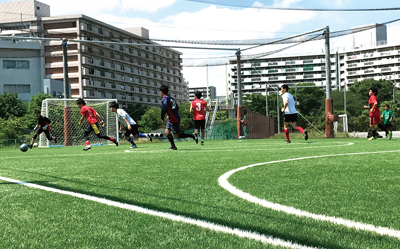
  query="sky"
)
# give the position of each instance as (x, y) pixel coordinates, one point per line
(212, 20)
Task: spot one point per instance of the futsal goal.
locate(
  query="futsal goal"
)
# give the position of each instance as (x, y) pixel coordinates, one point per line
(64, 115)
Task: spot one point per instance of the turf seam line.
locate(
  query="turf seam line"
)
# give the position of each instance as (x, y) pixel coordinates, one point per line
(178, 218)
(223, 182)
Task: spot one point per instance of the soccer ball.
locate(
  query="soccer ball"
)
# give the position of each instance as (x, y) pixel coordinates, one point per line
(23, 147)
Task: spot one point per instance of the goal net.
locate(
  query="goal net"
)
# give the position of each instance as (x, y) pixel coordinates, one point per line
(64, 115)
(341, 125)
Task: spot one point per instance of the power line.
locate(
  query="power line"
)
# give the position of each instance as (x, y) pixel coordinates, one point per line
(298, 9)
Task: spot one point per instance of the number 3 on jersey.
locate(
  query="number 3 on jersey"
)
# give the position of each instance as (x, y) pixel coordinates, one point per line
(198, 107)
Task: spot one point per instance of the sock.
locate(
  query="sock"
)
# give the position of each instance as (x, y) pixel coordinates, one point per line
(112, 139)
(374, 133)
(300, 129)
(130, 140)
(142, 135)
(184, 135)
(87, 143)
(171, 140)
(287, 134)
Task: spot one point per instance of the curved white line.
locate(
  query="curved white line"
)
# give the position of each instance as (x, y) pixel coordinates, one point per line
(223, 182)
(178, 218)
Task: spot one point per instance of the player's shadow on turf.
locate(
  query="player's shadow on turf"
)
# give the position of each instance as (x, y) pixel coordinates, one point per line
(295, 223)
(293, 235)
(33, 182)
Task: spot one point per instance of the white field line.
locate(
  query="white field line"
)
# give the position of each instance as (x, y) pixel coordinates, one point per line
(139, 150)
(178, 218)
(216, 149)
(223, 181)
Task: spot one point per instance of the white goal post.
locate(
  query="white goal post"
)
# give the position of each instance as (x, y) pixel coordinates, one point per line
(64, 115)
(341, 125)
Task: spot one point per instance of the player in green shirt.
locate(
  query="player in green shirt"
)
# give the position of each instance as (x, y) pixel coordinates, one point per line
(387, 116)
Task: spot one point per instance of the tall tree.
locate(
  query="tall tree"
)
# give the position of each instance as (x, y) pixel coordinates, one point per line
(151, 120)
(11, 106)
(308, 99)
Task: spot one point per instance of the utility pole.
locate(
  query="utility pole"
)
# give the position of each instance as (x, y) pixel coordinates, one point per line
(239, 116)
(65, 68)
(67, 108)
(278, 111)
(266, 99)
(330, 118)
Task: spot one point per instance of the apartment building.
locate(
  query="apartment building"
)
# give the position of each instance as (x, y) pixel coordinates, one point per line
(212, 92)
(111, 70)
(368, 57)
(257, 74)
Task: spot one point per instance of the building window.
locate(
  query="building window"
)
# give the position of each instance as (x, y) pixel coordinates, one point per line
(101, 31)
(102, 84)
(89, 27)
(113, 85)
(17, 88)
(91, 71)
(15, 64)
(102, 73)
(102, 63)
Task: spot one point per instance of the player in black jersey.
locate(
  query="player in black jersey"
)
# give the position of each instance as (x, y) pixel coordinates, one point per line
(43, 125)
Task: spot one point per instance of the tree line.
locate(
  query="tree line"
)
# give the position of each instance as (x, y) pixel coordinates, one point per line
(17, 117)
(310, 102)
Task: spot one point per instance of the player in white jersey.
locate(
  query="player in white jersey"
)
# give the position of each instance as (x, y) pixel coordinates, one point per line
(130, 125)
(290, 113)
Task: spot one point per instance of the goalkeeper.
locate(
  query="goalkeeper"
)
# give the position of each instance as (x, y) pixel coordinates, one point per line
(43, 125)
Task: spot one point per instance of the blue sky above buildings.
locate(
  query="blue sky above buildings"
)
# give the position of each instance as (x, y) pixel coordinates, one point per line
(189, 20)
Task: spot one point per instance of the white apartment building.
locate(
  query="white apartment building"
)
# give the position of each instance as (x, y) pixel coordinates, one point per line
(375, 60)
(129, 73)
(212, 92)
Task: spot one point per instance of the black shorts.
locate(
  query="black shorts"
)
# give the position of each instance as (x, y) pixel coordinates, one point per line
(199, 124)
(174, 127)
(134, 131)
(388, 126)
(290, 118)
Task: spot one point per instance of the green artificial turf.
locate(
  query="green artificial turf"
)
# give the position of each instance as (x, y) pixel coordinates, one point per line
(357, 184)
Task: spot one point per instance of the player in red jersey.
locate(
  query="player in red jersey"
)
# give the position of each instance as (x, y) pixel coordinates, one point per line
(197, 108)
(374, 113)
(92, 116)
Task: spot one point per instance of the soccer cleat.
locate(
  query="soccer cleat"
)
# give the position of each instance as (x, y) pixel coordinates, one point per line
(149, 138)
(390, 135)
(287, 142)
(202, 142)
(87, 147)
(173, 148)
(372, 138)
(133, 146)
(306, 135)
(55, 139)
(115, 141)
(196, 138)
(30, 146)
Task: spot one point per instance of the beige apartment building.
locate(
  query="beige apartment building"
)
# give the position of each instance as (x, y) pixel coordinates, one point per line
(111, 70)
